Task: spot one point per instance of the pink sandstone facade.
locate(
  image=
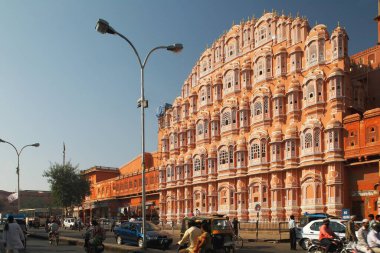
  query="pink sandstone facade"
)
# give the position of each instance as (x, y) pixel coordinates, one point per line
(259, 121)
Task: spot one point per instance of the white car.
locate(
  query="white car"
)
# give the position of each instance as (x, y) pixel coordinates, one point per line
(311, 231)
(68, 223)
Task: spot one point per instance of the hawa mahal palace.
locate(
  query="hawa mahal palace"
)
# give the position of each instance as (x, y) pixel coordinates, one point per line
(260, 125)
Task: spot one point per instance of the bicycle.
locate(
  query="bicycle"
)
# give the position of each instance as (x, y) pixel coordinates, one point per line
(238, 241)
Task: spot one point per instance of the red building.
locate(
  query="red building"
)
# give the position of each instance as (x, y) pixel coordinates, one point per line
(362, 153)
(117, 191)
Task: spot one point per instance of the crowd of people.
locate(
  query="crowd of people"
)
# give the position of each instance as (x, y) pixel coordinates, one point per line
(366, 239)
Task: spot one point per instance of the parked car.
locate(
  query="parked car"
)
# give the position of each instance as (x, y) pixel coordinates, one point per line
(130, 232)
(311, 231)
(68, 223)
(105, 223)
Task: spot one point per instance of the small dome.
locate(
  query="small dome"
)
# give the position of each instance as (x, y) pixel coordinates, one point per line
(244, 104)
(338, 30)
(212, 151)
(333, 123)
(218, 79)
(280, 50)
(279, 90)
(276, 134)
(191, 124)
(291, 132)
(183, 128)
(241, 144)
(188, 159)
(294, 85)
(319, 31)
(180, 160)
(336, 72)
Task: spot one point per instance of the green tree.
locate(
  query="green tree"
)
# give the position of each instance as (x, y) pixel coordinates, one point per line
(68, 186)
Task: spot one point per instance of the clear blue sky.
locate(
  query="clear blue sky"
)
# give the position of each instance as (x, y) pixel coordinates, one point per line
(61, 81)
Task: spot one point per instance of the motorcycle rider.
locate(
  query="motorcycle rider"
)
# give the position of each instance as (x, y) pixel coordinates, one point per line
(53, 228)
(362, 243)
(95, 235)
(326, 236)
(373, 238)
(191, 237)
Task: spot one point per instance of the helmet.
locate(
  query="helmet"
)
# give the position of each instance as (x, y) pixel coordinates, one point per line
(376, 226)
(326, 221)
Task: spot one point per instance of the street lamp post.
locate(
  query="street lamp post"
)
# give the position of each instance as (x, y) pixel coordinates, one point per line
(18, 169)
(103, 27)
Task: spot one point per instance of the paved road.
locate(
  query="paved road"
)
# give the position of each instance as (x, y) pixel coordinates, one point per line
(36, 245)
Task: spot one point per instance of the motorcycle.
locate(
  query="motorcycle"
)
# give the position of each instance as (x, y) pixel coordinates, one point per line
(337, 246)
(91, 248)
(54, 238)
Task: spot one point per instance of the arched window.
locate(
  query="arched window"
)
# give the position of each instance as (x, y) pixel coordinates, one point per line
(313, 53)
(197, 164)
(308, 140)
(231, 155)
(223, 157)
(226, 120)
(258, 108)
(223, 197)
(255, 151)
(317, 139)
(200, 128)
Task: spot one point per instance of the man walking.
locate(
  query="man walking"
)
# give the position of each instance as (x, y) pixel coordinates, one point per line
(292, 233)
(350, 230)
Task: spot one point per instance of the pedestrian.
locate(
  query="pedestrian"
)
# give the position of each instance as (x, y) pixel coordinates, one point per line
(197, 212)
(292, 233)
(371, 219)
(377, 218)
(13, 236)
(235, 224)
(350, 230)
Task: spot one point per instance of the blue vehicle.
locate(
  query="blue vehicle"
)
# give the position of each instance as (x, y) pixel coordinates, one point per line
(130, 232)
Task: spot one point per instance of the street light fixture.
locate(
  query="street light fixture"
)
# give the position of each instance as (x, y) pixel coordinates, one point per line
(36, 145)
(103, 27)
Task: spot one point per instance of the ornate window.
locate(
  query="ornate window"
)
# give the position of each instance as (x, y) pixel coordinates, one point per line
(197, 165)
(200, 128)
(313, 54)
(276, 152)
(262, 35)
(290, 149)
(226, 119)
(246, 36)
(223, 157)
(335, 90)
(308, 141)
(258, 109)
(223, 197)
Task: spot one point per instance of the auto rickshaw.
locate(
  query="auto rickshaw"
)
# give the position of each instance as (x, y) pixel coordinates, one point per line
(222, 233)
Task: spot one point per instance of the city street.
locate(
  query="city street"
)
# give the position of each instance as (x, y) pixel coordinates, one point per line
(36, 244)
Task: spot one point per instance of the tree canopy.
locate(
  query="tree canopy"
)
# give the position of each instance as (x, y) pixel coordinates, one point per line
(67, 185)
